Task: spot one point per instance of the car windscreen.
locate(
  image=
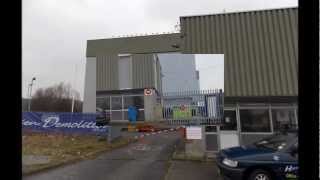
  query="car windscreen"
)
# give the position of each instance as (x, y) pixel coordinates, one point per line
(276, 142)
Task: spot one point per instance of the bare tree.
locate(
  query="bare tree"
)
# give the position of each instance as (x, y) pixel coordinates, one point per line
(56, 98)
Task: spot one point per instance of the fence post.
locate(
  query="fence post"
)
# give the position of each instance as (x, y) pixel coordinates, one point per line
(109, 134)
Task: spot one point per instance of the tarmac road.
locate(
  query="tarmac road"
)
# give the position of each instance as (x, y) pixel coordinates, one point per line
(143, 160)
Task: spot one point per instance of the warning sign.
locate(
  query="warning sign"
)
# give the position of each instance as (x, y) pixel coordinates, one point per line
(194, 132)
(147, 92)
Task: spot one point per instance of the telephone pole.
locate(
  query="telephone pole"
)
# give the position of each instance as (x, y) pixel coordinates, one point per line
(30, 92)
(74, 80)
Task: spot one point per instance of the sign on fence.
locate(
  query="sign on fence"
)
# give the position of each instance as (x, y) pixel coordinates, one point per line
(74, 123)
(182, 112)
(194, 132)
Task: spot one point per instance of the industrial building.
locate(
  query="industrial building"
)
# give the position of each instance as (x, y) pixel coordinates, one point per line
(261, 66)
(119, 80)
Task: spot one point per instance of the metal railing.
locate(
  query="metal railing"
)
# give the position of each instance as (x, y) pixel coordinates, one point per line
(193, 107)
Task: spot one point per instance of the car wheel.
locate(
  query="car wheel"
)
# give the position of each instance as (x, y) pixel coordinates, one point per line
(260, 174)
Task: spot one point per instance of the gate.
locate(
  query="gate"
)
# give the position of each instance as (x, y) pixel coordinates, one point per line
(216, 139)
(202, 107)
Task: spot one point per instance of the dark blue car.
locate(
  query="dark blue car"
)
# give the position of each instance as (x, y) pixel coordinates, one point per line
(272, 158)
(102, 117)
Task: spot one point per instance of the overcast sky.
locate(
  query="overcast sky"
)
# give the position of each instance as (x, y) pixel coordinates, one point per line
(54, 33)
(211, 71)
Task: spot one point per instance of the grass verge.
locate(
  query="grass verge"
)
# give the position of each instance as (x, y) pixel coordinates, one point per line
(63, 149)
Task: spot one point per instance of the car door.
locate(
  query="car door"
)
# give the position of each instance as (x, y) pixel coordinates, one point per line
(288, 163)
(229, 135)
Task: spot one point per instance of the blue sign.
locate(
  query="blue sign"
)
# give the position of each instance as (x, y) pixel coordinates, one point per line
(72, 123)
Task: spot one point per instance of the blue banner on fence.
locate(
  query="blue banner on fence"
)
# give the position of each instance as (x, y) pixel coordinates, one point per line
(74, 123)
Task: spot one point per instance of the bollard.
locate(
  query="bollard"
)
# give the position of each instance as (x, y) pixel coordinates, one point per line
(183, 132)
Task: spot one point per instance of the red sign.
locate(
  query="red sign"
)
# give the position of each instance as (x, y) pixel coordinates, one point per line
(148, 92)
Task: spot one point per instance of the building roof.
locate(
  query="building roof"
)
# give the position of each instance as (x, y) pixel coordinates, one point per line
(138, 44)
(260, 49)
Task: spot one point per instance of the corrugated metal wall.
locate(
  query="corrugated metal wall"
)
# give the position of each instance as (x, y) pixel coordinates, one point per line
(107, 72)
(142, 70)
(159, 79)
(260, 49)
(139, 44)
(143, 74)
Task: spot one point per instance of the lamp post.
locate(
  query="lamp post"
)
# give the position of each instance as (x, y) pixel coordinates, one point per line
(73, 98)
(30, 93)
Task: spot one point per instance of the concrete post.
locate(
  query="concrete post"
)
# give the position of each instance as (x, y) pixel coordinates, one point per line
(196, 148)
(149, 106)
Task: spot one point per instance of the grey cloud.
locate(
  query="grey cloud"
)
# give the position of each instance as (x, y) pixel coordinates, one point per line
(167, 9)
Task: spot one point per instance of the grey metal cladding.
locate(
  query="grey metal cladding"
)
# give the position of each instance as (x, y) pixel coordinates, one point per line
(139, 44)
(260, 49)
(159, 80)
(107, 72)
(143, 71)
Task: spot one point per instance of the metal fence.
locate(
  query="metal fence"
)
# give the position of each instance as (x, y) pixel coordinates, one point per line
(193, 107)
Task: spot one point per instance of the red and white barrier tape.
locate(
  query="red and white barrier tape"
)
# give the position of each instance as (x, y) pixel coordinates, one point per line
(158, 132)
